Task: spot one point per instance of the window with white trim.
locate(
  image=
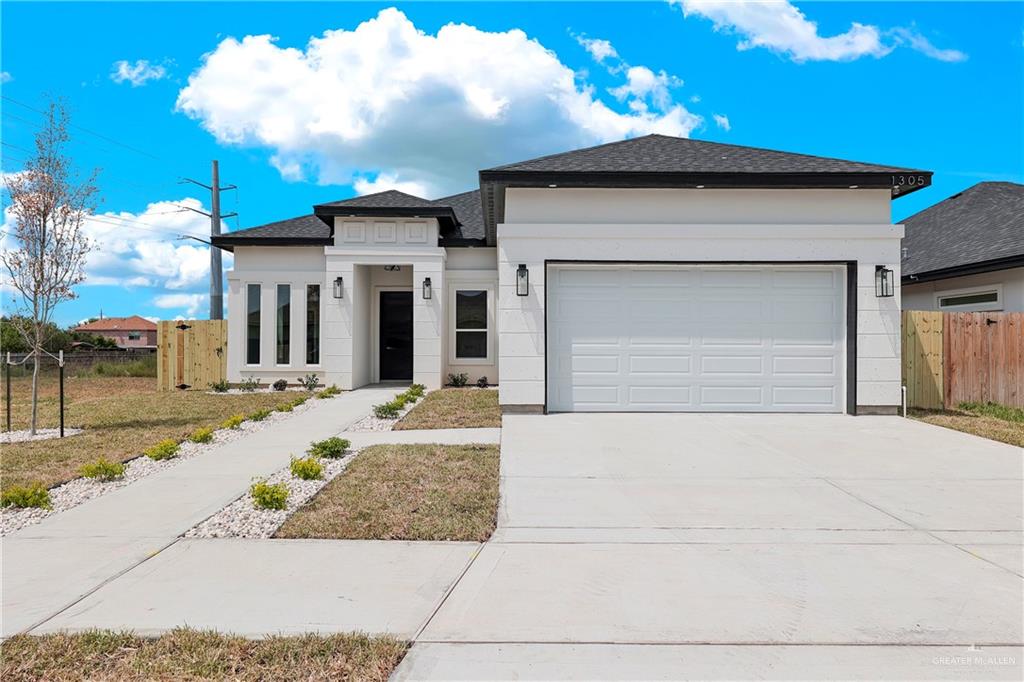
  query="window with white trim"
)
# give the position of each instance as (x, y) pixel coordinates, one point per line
(979, 299)
(284, 324)
(470, 324)
(252, 324)
(312, 324)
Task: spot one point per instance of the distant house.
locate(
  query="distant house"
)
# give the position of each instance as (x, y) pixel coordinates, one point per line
(967, 253)
(126, 332)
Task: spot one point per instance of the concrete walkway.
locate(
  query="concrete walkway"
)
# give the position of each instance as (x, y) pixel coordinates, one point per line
(54, 564)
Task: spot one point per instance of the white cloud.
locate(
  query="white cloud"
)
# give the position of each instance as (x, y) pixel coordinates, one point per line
(918, 42)
(642, 83)
(137, 73)
(598, 48)
(388, 101)
(191, 303)
(6, 77)
(386, 181)
(722, 122)
(779, 26)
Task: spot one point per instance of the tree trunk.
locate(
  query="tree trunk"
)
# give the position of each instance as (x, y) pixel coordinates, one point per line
(35, 391)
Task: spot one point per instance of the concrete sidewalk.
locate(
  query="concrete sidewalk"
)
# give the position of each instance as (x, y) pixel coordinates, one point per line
(51, 565)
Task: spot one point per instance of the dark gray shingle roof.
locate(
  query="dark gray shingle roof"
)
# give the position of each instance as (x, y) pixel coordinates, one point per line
(391, 198)
(470, 213)
(305, 229)
(983, 223)
(664, 154)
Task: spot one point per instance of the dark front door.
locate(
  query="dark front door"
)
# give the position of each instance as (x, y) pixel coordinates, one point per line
(395, 335)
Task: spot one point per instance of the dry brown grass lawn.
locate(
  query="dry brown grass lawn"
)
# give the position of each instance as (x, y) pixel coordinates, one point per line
(194, 655)
(406, 492)
(979, 424)
(121, 417)
(454, 408)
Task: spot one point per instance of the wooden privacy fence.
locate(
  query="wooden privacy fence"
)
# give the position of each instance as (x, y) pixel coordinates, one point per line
(191, 353)
(950, 358)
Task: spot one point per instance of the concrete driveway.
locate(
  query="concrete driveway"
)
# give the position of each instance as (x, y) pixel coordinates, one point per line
(740, 546)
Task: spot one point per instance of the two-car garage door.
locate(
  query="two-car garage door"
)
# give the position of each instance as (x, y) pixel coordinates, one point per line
(702, 338)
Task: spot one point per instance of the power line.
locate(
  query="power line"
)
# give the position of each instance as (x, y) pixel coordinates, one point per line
(85, 130)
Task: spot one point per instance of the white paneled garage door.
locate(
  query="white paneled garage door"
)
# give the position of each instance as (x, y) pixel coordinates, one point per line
(708, 338)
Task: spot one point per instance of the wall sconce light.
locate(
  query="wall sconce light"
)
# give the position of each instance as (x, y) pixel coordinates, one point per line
(883, 282)
(427, 289)
(339, 288)
(522, 280)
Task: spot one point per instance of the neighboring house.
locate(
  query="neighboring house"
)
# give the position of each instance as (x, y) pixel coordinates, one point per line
(967, 253)
(126, 332)
(652, 274)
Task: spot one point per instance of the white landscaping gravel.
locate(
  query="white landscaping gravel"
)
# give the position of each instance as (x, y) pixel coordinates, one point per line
(372, 423)
(79, 490)
(41, 434)
(242, 519)
(268, 389)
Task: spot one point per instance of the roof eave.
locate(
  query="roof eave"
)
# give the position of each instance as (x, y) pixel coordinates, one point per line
(227, 242)
(444, 214)
(978, 268)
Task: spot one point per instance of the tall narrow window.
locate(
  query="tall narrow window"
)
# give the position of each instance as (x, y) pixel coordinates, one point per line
(470, 324)
(284, 314)
(252, 326)
(312, 324)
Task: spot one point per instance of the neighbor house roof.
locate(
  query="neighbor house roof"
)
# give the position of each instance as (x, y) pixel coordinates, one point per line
(112, 324)
(471, 218)
(460, 217)
(978, 230)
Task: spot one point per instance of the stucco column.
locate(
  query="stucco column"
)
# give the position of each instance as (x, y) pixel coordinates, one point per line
(338, 323)
(428, 323)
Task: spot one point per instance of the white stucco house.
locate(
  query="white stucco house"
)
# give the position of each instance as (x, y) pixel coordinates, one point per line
(651, 274)
(966, 253)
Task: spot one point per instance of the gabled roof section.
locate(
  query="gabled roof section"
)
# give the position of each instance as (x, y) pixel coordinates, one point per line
(132, 323)
(978, 230)
(655, 161)
(387, 204)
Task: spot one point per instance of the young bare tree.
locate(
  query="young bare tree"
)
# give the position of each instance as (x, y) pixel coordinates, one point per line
(45, 257)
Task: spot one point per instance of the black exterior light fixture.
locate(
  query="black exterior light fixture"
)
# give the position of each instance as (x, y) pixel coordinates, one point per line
(883, 282)
(427, 289)
(339, 288)
(522, 280)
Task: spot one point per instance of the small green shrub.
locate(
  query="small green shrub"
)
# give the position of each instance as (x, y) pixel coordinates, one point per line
(269, 495)
(233, 422)
(249, 384)
(401, 399)
(280, 385)
(24, 496)
(299, 401)
(417, 389)
(203, 434)
(329, 392)
(458, 380)
(309, 382)
(165, 449)
(220, 386)
(482, 382)
(287, 407)
(410, 397)
(259, 415)
(386, 410)
(103, 469)
(331, 447)
(308, 469)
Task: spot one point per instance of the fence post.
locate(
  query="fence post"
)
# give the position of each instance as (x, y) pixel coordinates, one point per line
(60, 363)
(7, 371)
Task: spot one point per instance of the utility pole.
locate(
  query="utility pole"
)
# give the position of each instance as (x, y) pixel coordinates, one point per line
(216, 269)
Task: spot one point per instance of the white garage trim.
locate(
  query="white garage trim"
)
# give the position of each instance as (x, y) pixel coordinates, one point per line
(700, 337)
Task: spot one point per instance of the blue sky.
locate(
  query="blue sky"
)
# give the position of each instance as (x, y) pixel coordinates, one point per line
(938, 86)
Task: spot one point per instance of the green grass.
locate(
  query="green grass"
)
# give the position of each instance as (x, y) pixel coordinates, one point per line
(186, 654)
(988, 420)
(1004, 412)
(454, 408)
(406, 492)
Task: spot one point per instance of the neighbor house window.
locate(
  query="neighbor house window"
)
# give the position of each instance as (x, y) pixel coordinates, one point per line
(470, 324)
(284, 327)
(252, 325)
(975, 299)
(313, 324)
(134, 336)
